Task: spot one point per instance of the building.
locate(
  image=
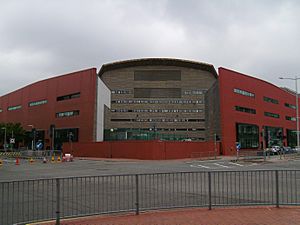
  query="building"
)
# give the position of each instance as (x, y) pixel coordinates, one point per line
(254, 113)
(70, 104)
(157, 98)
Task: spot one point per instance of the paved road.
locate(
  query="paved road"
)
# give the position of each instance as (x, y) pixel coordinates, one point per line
(242, 184)
(9, 171)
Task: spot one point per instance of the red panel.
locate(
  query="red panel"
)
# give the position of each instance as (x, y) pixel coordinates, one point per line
(42, 116)
(146, 150)
(228, 100)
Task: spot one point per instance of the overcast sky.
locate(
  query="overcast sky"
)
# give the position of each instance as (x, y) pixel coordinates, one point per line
(41, 39)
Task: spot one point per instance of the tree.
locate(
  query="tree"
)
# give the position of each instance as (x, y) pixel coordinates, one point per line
(14, 129)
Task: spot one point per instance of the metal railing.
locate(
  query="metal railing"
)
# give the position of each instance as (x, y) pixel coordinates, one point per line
(46, 199)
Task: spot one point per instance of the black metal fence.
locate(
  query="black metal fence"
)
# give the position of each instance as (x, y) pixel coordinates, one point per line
(37, 200)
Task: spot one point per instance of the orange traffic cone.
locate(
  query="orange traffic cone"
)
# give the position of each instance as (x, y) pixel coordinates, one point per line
(31, 160)
(17, 161)
(52, 159)
(58, 159)
(1, 163)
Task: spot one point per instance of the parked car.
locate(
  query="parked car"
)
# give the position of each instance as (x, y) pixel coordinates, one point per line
(286, 150)
(275, 150)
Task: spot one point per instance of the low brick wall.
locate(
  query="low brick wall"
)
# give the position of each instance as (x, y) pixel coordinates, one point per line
(147, 150)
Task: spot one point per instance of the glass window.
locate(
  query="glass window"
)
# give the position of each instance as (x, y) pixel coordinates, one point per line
(67, 97)
(67, 114)
(290, 118)
(274, 115)
(273, 136)
(36, 103)
(243, 92)
(272, 100)
(290, 105)
(291, 137)
(12, 108)
(247, 135)
(244, 109)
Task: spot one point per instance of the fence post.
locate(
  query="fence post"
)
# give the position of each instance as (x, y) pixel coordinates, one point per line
(277, 188)
(137, 211)
(209, 190)
(57, 201)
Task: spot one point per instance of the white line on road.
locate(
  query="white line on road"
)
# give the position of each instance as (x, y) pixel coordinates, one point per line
(235, 164)
(197, 166)
(221, 165)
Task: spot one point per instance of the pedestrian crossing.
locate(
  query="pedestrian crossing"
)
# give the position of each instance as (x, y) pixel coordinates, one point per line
(220, 165)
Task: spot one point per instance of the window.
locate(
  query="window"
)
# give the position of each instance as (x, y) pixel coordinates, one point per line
(290, 118)
(169, 120)
(66, 135)
(274, 115)
(120, 91)
(157, 92)
(244, 109)
(272, 100)
(291, 136)
(41, 102)
(242, 92)
(273, 136)
(12, 108)
(194, 92)
(290, 105)
(67, 114)
(67, 97)
(247, 135)
(156, 102)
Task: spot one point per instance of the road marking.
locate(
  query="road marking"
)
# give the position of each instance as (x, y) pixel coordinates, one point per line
(197, 166)
(221, 165)
(235, 164)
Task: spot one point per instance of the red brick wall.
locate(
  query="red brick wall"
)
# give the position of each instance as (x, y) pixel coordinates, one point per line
(147, 150)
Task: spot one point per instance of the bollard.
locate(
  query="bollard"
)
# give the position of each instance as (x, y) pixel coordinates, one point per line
(17, 161)
(1, 162)
(31, 161)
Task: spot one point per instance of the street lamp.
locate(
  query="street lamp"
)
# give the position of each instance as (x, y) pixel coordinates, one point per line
(33, 139)
(297, 110)
(4, 142)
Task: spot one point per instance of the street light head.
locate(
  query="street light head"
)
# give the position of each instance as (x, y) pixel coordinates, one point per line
(281, 78)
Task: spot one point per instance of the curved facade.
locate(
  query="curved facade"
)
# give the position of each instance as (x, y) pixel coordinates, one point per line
(68, 102)
(157, 99)
(255, 113)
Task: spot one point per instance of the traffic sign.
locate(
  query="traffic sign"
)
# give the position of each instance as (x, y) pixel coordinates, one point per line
(238, 146)
(11, 140)
(39, 145)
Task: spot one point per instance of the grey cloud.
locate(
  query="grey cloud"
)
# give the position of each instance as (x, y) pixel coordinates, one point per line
(39, 39)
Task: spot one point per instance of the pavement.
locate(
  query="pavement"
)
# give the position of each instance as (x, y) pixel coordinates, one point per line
(199, 216)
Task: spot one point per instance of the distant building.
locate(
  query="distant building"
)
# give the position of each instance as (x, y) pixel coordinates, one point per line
(157, 98)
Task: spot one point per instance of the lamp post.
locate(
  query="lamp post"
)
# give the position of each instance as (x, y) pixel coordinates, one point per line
(4, 141)
(33, 134)
(297, 110)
